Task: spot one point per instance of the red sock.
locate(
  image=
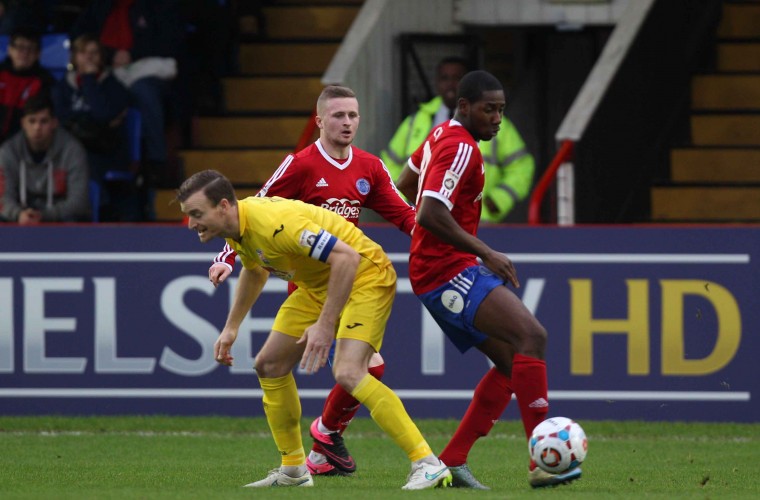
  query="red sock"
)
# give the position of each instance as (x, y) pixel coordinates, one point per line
(340, 406)
(491, 397)
(530, 386)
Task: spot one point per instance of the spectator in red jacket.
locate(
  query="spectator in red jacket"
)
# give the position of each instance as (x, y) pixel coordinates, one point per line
(21, 77)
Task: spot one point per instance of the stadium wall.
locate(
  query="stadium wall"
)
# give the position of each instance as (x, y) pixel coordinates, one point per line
(645, 323)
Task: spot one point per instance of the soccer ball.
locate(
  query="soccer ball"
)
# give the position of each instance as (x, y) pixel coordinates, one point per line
(558, 444)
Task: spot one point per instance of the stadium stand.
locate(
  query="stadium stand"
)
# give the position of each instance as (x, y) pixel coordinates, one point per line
(54, 53)
(269, 101)
(715, 177)
(134, 136)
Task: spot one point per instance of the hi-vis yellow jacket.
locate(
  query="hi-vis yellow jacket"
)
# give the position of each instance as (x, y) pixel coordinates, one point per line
(509, 165)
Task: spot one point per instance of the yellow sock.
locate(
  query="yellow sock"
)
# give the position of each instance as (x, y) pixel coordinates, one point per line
(389, 413)
(283, 409)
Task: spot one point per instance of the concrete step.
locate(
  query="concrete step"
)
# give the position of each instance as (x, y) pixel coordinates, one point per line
(715, 92)
(722, 165)
(249, 132)
(739, 57)
(329, 22)
(167, 210)
(740, 20)
(286, 58)
(240, 166)
(725, 130)
(286, 94)
(706, 204)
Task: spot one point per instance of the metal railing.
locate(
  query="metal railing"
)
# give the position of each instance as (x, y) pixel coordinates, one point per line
(537, 197)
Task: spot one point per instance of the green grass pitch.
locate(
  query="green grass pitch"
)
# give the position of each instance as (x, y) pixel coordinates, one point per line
(212, 457)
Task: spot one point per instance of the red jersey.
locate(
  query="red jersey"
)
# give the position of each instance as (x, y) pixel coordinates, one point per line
(342, 186)
(451, 170)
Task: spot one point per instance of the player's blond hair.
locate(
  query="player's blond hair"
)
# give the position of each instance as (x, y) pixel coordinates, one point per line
(333, 92)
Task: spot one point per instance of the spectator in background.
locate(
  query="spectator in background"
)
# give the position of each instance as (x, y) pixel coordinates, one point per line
(21, 77)
(44, 169)
(92, 104)
(509, 165)
(143, 38)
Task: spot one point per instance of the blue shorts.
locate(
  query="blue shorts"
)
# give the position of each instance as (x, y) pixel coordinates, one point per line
(453, 305)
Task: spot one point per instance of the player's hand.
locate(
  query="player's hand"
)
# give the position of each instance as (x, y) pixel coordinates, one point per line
(502, 266)
(223, 345)
(318, 339)
(217, 273)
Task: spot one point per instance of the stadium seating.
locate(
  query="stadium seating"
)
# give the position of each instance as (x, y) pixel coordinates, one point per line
(54, 53)
(134, 136)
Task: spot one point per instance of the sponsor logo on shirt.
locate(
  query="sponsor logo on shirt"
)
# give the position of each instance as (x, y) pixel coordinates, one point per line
(262, 257)
(322, 183)
(349, 209)
(283, 275)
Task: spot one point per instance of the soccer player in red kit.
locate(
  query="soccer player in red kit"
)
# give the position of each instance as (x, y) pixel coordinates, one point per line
(470, 301)
(333, 174)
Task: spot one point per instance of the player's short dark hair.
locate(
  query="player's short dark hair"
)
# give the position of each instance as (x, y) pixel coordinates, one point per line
(473, 84)
(38, 102)
(214, 185)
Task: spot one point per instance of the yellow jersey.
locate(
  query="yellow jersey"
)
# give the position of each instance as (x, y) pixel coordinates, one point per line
(292, 241)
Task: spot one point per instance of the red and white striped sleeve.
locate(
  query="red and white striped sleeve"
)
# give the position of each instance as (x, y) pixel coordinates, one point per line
(226, 257)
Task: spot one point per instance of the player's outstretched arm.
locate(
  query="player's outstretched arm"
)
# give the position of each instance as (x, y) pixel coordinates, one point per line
(435, 217)
(343, 261)
(248, 289)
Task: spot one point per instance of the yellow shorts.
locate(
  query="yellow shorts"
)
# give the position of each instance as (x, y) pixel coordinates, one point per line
(363, 318)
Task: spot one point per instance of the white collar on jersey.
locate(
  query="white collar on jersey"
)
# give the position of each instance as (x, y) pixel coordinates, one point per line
(331, 160)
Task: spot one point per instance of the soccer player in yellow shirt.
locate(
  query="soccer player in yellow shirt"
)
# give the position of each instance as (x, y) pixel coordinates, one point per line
(346, 285)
